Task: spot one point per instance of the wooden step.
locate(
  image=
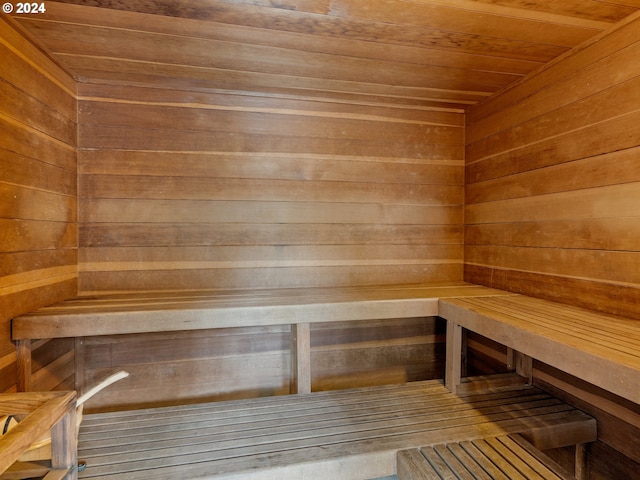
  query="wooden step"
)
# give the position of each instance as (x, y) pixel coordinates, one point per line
(344, 434)
(507, 457)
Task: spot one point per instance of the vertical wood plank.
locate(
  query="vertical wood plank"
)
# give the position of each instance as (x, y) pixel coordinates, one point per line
(453, 366)
(79, 368)
(524, 366)
(583, 461)
(520, 363)
(301, 358)
(511, 359)
(23, 364)
(64, 445)
(464, 353)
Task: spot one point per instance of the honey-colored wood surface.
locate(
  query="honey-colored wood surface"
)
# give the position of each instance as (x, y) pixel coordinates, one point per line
(598, 348)
(404, 52)
(359, 336)
(43, 412)
(505, 457)
(437, 53)
(145, 312)
(551, 183)
(38, 206)
(552, 180)
(342, 434)
(182, 189)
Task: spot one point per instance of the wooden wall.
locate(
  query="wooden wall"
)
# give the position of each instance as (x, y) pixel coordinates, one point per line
(38, 230)
(552, 192)
(553, 180)
(217, 189)
(213, 189)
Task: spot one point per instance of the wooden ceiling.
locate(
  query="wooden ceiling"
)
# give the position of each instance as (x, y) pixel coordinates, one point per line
(431, 53)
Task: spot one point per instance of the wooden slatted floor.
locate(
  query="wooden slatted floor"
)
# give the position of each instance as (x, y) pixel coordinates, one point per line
(347, 434)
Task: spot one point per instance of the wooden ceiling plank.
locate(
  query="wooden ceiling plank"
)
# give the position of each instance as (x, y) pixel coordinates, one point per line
(92, 16)
(575, 13)
(308, 6)
(318, 26)
(154, 48)
(598, 10)
(473, 18)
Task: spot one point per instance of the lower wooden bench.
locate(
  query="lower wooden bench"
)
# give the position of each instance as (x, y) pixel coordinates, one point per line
(508, 457)
(346, 434)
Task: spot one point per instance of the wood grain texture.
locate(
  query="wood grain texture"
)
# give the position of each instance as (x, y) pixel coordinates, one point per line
(434, 53)
(264, 191)
(44, 412)
(195, 345)
(493, 457)
(38, 194)
(601, 349)
(343, 435)
(551, 182)
(538, 206)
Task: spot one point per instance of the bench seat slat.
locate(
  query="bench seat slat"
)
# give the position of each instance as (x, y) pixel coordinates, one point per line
(451, 461)
(498, 460)
(472, 456)
(523, 463)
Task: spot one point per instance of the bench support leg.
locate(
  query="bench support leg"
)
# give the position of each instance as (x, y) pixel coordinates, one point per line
(453, 365)
(582, 461)
(23, 362)
(78, 359)
(520, 363)
(301, 358)
(64, 445)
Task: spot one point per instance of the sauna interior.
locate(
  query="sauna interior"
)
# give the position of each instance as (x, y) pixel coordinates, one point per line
(257, 144)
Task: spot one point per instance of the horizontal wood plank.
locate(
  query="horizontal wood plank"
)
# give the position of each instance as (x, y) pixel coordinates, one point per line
(445, 170)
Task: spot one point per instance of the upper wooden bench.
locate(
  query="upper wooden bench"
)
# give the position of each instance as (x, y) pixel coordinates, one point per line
(601, 349)
(142, 312)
